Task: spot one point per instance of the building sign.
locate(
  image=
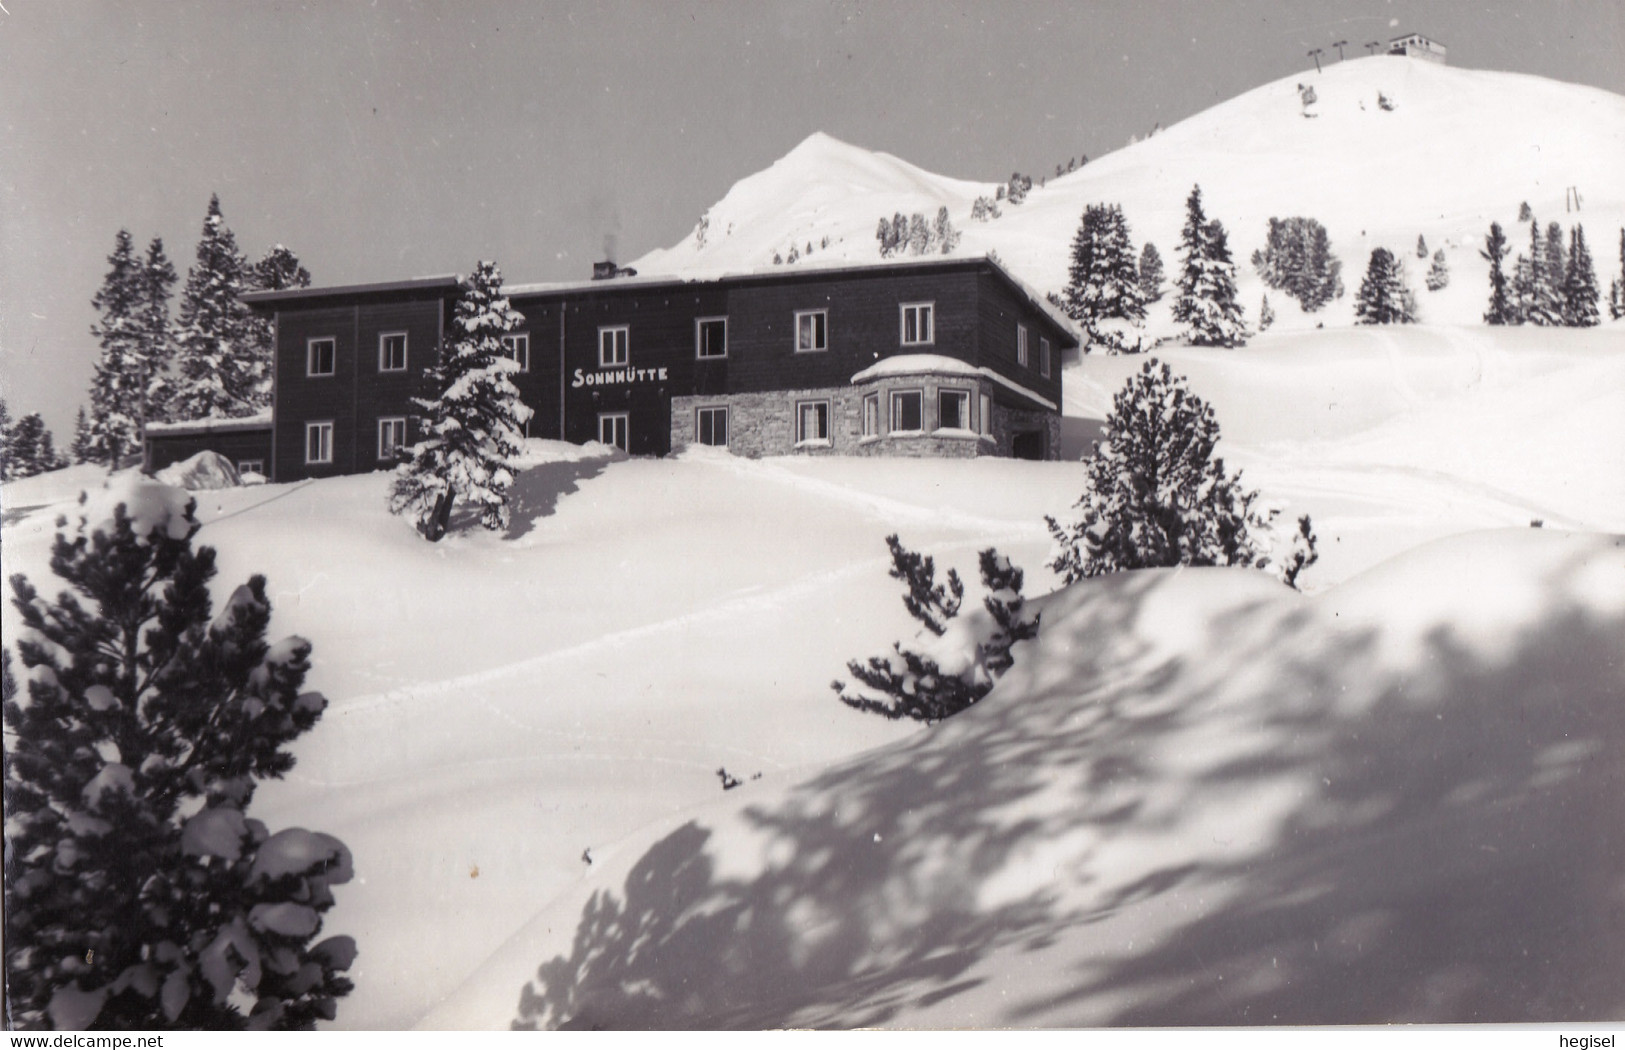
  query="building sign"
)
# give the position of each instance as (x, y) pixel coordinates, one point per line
(617, 375)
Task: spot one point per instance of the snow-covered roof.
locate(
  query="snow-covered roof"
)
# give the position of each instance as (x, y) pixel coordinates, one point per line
(937, 364)
(257, 421)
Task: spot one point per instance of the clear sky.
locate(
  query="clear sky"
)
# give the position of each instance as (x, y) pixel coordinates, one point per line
(395, 139)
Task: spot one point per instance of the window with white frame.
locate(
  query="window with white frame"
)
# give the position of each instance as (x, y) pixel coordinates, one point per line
(918, 327)
(391, 437)
(612, 427)
(392, 352)
(812, 331)
(516, 348)
(612, 347)
(319, 442)
(984, 420)
(711, 426)
(953, 410)
(321, 356)
(871, 415)
(907, 412)
(812, 422)
(1043, 358)
(711, 337)
(251, 466)
(1021, 345)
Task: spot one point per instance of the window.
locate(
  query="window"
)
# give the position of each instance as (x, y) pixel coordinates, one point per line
(917, 327)
(319, 356)
(1043, 358)
(812, 422)
(812, 330)
(953, 410)
(251, 466)
(1021, 345)
(392, 352)
(711, 426)
(985, 420)
(612, 427)
(319, 442)
(711, 337)
(906, 412)
(612, 347)
(871, 415)
(517, 348)
(391, 437)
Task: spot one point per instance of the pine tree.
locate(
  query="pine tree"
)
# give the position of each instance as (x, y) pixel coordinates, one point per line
(1438, 276)
(1207, 282)
(118, 381)
(157, 333)
(1421, 247)
(1297, 259)
(1540, 293)
(83, 448)
(947, 237)
(1150, 273)
(1266, 316)
(1525, 213)
(471, 427)
(30, 450)
(1580, 284)
(1616, 291)
(1156, 495)
(983, 209)
(908, 683)
(1384, 297)
(1501, 311)
(139, 894)
(5, 441)
(1103, 283)
(223, 371)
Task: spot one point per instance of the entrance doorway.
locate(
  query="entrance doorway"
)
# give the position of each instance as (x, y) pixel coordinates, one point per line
(612, 429)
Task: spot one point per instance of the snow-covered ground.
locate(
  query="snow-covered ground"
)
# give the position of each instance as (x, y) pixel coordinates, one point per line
(1144, 781)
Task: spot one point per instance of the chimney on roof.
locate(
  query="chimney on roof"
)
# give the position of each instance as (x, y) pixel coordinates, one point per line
(603, 271)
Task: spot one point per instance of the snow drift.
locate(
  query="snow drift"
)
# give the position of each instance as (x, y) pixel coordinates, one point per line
(1197, 799)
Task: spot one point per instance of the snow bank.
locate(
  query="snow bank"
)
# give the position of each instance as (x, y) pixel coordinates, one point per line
(1198, 798)
(204, 471)
(149, 505)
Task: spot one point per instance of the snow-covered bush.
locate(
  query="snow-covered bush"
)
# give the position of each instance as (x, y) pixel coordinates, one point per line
(473, 420)
(139, 894)
(954, 661)
(1158, 497)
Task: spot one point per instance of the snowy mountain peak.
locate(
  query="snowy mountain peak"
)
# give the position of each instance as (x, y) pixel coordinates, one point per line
(1380, 150)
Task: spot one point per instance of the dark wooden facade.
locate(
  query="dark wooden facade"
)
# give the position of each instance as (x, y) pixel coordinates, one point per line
(976, 310)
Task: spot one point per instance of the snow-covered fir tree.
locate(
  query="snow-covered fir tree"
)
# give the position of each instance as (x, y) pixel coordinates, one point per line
(473, 420)
(30, 449)
(1438, 277)
(139, 893)
(1297, 259)
(1266, 315)
(1421, 246)
(1501, 310)
(158, 279)
(1538, 281)
(83, 449)
(5, 440)
(1103, 291)
(223, 371)
(954, 661)
(1207, 281)
(1580, 284)
(1616, 290)
(1384, 295)
(1150, 273)
(1156, 495)
(947, 238)
(119, 379)
(983, 209)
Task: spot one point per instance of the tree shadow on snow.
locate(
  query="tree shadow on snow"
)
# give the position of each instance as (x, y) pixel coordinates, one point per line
(1451, 852)
(534, 494)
